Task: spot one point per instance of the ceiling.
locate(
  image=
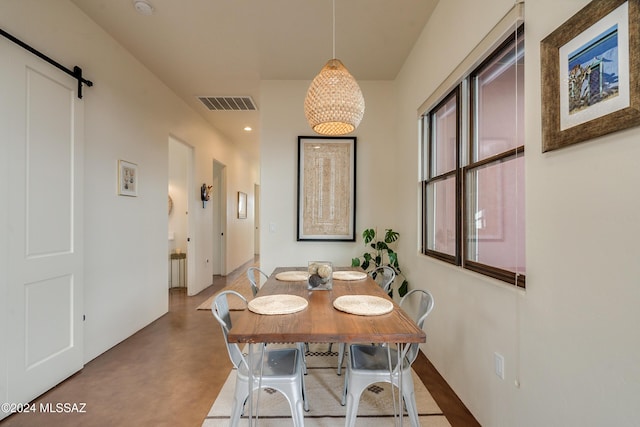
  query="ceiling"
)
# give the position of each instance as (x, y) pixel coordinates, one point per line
(225, 47)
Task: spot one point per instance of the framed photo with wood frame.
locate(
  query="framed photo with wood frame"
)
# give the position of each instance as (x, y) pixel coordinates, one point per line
(326, 188)
(590, 74)
(127, 178)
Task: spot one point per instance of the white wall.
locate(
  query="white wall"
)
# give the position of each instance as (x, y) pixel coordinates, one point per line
(130, 115)
(282, 121)
(570, 339)
(579, 321)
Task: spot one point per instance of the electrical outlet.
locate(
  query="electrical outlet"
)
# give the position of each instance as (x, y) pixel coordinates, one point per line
(498, 361)
(272, 227)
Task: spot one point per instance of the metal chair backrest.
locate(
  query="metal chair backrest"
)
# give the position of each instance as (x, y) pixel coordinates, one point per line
(252, 278)
(220, 310)
(425, 305)
(384, 276)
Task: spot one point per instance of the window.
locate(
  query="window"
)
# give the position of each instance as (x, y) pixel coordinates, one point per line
(473, 169)
(441, 187)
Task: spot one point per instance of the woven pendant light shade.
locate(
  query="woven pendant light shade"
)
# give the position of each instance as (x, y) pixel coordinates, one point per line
(334, 104)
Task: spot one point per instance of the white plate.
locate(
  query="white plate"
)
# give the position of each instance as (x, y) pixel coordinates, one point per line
(292, 276)
(277, 304)
(363, 305)
(349, 275)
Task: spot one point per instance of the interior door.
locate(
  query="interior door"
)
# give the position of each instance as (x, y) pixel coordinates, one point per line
(42, 134)
(256, 219)
(219, 209)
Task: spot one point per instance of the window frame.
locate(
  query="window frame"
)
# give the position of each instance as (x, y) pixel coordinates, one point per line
(466, 162)
(430, 177)
(512, 154)
(511, 277)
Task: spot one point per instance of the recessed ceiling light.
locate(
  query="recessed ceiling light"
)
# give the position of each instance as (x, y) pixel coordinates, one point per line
(143, 7)
(248, 128)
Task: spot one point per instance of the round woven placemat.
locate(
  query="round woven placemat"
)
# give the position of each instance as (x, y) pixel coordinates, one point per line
(277, 304)
(363, 305)
(349, 275)
(292, 276)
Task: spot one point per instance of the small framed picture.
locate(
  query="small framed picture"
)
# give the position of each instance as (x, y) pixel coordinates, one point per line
(127, 178)
(242, 205)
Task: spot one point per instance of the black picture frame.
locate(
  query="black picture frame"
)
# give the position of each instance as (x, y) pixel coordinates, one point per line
(326, 208)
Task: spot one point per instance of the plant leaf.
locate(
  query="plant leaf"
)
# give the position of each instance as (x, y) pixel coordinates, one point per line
(403, 289)
(381, 246)
(391, 236)
(355, 262)
(393, 258)
(368, 235)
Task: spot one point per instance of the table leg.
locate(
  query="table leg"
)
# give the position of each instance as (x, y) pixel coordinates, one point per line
(250, 382)
(402, 349)
(400, 354)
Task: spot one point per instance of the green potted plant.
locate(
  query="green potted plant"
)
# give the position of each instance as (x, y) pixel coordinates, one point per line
(381, 254)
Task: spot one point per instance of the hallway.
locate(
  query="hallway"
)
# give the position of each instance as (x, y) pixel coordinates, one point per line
(169, 373)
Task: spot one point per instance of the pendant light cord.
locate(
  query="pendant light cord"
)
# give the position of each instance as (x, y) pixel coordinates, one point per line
(334, 29)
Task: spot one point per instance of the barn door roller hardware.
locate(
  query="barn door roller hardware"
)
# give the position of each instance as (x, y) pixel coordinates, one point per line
(76, 73)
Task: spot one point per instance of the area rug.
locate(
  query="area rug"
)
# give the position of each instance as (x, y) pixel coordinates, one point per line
(324, 389)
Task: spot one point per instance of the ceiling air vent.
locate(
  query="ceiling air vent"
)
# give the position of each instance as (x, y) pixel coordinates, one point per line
(228, 103)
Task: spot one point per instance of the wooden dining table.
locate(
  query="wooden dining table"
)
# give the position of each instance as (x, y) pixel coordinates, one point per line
(320, 322)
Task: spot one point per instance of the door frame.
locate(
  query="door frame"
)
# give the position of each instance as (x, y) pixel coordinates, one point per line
(190, 248)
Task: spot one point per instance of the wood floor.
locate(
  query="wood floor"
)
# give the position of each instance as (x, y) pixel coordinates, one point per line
(169, 374)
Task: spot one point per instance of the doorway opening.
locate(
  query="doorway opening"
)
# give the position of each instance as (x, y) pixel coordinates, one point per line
(179, 248)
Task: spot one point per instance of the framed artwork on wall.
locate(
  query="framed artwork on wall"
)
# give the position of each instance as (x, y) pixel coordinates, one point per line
(589, 72)
(127, 178)
(242, 205)
(326, 188)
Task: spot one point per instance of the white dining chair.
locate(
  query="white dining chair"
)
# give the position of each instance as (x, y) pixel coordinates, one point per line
(369, 364)
(251, 275)
(279, 369)
(252, 278)
(384, 277)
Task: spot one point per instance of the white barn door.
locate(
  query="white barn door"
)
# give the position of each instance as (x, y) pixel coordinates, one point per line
(42, 126)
